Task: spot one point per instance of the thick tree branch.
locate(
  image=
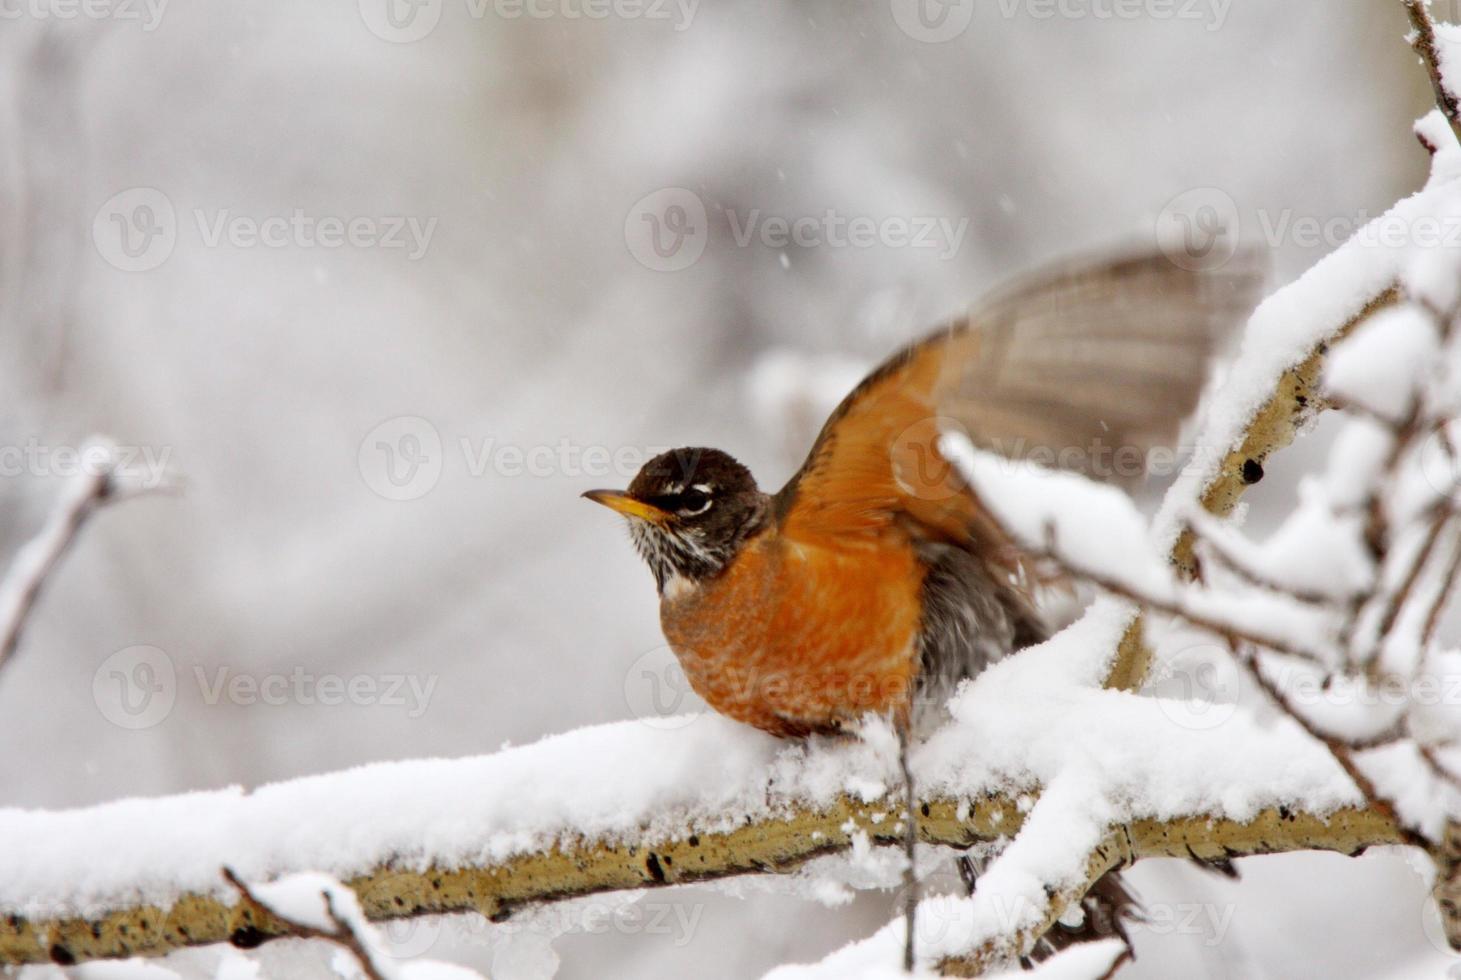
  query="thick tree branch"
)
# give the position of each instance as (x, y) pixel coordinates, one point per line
(588, 867)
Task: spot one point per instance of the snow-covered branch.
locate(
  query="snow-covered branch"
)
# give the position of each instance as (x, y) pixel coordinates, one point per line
(141, 877)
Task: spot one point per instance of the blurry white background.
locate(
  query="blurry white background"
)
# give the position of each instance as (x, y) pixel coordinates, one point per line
(524, 145)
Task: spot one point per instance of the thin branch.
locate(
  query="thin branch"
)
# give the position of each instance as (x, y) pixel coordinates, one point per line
(1239, 567)
(1354, 407)
(1424, 43)
(1402, 595)
(1443, 594)
(344, 934)
(38, 558)
(1436, 766)
(1337, 748)
(1106, 583)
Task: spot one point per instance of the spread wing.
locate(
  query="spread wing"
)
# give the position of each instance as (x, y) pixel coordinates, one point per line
(1086, 367)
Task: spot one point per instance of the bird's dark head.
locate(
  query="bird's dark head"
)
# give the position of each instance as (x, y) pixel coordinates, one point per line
(689, 511)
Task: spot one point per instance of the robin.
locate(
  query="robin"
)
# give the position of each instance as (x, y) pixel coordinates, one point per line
(875, 581)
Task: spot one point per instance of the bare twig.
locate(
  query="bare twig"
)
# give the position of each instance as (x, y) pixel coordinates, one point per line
(1402, 595)
(1436, 766)
(1106, 583)
(1239, 567)
(343, 935)
(1443, 594)
(39, 557)
(1354, 407)
(1341, 752)
(1424, 43)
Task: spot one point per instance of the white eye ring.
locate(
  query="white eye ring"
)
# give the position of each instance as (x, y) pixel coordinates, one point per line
(705, 489)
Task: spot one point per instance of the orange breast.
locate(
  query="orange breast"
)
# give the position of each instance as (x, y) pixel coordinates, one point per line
(796, 638)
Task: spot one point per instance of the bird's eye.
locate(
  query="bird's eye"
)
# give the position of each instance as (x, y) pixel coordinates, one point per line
(694, 501)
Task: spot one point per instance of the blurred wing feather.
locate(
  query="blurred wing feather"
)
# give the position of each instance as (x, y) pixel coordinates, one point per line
(1066, 368)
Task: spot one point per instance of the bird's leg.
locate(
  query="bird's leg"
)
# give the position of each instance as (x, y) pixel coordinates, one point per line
(910, 841)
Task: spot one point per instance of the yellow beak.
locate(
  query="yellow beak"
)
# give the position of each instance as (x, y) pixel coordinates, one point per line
(628, 506)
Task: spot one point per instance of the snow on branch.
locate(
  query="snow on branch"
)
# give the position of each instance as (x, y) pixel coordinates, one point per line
(491, 835)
